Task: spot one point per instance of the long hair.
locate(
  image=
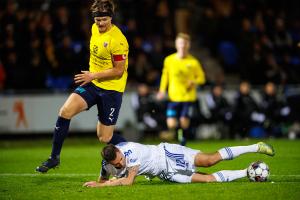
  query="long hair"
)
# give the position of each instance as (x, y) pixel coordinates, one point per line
(106, 6)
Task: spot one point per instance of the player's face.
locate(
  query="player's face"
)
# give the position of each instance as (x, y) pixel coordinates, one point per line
(182, 46)
(119, 162)
(103, 23)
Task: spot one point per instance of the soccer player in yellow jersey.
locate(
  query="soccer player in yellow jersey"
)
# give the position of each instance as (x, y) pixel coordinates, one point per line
(181, 75)
(103, 84)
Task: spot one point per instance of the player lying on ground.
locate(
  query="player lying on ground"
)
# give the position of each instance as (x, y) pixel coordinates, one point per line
(169, 162)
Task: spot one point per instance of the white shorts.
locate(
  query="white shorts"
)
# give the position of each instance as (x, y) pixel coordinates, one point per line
(180, 163)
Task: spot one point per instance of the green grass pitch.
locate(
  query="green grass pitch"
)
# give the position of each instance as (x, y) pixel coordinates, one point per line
(80, 162)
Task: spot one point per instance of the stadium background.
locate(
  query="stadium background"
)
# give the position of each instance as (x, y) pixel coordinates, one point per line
(44, 43)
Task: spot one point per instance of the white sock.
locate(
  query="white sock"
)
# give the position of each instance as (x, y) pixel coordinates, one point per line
(228, 153)
(229, 175)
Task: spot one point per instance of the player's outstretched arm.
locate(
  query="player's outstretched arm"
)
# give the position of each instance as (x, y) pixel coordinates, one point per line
(203, 178)
(132, 173)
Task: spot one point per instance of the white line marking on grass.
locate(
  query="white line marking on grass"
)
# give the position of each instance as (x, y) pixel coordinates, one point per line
(288, 175)
(83, 175)
(39, 174)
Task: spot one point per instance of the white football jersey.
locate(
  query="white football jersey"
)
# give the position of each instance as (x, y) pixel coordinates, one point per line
(167, 161)
(150, 158)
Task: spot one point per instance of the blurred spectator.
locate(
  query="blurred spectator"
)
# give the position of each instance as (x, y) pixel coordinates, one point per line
(62, 24)
(35, 42)
(247, 115)
(274, 72)
(220, 111)
(37, 66)
(292, 95)
(2, 76)
(141, 68)
(49, 40)
(268, 30)
(275, 110)
(282, 38)
(247, 57)
(149, 113)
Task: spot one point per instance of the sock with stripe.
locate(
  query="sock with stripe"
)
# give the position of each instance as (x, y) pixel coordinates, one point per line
(229, 153)
(229, 175)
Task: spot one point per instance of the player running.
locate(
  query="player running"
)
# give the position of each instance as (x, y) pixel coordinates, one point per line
(103, 85)
(169, 162)
(182, 74)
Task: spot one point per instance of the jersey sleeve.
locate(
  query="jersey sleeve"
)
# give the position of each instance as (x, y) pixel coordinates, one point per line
(104, 173)
(119, 49)
(199, 74)
(164, 77)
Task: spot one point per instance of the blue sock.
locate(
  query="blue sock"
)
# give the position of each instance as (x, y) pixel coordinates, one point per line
(60, 133)
(116, 139)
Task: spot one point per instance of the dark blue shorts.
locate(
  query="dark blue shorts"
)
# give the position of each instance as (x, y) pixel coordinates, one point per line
(179, 109)
(108, 102)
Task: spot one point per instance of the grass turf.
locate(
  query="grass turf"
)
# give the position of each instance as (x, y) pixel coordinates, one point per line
(80, 162)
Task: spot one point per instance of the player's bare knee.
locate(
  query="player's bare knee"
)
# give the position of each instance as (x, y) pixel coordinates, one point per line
(208, 161)
(172, 126)
(103, 138)
(211, 161)
(184, 123)
(65, 112)
(172, 123)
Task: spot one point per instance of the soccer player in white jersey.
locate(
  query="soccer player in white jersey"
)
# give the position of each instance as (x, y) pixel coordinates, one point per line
(169, 162)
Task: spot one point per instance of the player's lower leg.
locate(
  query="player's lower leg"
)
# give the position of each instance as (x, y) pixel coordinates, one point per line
(116, 139)
(229, 153)
(181, 137)
(220, 176)
(229, 175)
(60, 133)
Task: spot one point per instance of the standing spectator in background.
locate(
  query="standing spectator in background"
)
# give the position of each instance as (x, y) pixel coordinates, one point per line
(275, 110)
(246, 111)
(149, 113)
(103, 84)
(181, 75)
(220, 111)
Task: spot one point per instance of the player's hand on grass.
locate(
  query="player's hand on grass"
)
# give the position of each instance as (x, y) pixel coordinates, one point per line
(83, 78)
(92, 184)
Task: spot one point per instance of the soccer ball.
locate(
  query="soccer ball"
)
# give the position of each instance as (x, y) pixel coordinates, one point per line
(258, 171)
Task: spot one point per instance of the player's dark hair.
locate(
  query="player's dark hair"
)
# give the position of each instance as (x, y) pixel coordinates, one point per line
(109, 153)
(101, 8)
